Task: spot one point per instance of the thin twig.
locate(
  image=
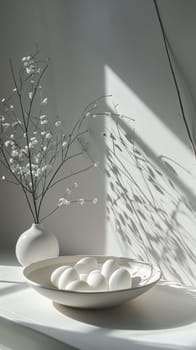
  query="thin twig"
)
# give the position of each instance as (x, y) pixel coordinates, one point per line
(72, 174)
(168, 52)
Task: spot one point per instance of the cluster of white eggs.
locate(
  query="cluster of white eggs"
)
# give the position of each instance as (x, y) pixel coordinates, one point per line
(87, 275)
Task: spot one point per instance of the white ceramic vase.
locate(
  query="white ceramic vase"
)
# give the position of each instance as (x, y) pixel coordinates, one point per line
(36, 244)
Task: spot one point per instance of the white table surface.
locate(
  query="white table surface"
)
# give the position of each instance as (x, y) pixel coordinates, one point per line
(162, 318)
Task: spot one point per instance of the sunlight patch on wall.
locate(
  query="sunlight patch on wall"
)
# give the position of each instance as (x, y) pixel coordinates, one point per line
(149, 128)
(149, 213)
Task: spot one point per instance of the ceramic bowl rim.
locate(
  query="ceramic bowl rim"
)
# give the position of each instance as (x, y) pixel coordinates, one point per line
(27, 269)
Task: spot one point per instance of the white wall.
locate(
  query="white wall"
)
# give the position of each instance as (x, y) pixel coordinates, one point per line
(99, 47)
(51, 25)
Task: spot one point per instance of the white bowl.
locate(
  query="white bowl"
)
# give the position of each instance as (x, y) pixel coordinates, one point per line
(144, 276)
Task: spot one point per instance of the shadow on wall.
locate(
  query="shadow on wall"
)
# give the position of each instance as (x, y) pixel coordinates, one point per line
(147, 206)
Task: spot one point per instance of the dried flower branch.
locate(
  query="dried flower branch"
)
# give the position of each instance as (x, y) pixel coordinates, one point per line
(32, 149)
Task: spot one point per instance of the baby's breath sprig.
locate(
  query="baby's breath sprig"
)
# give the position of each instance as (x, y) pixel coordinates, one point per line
(34, 150)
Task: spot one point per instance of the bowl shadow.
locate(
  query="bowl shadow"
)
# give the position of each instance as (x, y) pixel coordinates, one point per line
(162, 307)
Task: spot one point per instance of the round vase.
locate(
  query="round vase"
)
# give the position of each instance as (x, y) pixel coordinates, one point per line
(36, 244)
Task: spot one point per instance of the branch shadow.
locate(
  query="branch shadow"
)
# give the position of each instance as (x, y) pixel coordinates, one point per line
(149, 210)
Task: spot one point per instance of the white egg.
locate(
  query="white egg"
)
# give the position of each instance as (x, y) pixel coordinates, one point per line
(86, 264)
(120, 279)
(54, 278)
(109, 266)
(67, 276)
(97, 281)
(78, 286)
(94, 271)
(83, 276)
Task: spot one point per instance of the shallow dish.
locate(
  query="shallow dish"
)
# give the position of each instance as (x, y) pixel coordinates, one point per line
(144, 276)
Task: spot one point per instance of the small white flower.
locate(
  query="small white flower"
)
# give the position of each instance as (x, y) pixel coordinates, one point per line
(37, 172)
(34, 166)
(64, 144)
(30, 95)
(68, 191)
(81, 201)
(43, 122)
(11, 107)
(20, 153)
(48, 136)
(35, 142)
(94, 115)
(61, 202)
(7, 143)
(58, 123)
(23, 151)
(96, 164)
(75, 184)
(14, 90)
(46, 167)
(3, 178)
(11, 160)
(67, 202)
(42, 116)
(5, 125)
(36, 159)
(30, 69)
(2, 118)
(25, 135)
(44, 101)
(88, 114)
(95, 200)
(3, 99)
(14, 124)
(14, 153)
(43, 133)
(44, 148)
(12, 136)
